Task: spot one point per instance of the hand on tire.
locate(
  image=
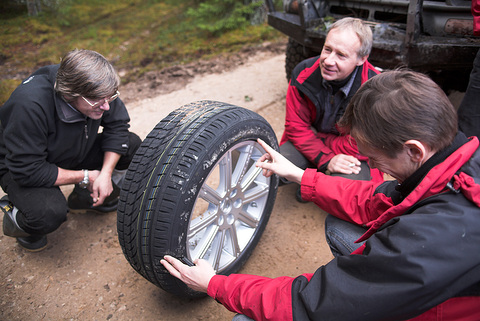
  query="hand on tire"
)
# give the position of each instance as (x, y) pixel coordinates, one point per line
(275, 163)
(195, 277)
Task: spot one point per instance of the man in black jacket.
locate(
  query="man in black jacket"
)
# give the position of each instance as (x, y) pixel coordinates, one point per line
(49, 137)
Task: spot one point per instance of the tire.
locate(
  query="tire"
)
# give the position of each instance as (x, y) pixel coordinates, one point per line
(192, 191)
(296, 53)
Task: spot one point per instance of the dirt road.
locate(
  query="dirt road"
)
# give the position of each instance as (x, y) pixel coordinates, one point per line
(83, 274)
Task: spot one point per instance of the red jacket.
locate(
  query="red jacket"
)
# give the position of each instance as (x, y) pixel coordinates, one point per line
(420, 259)
(310, 123)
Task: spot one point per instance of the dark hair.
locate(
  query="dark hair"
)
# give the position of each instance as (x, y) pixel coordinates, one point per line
(86, 73)
(396, 106)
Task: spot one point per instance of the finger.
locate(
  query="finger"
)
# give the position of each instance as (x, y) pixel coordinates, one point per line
(265, 164)
(267, 173)
(352, 168)
(174, 272)
(264, 157)
(265, 146)
(175, 266)
(354, 164)
(352, 160)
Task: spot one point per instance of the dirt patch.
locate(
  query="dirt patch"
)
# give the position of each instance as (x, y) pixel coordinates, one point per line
(173, 78)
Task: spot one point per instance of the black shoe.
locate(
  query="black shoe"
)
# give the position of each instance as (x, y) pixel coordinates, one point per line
(298, 196)
(10, 226)
(33, 243)
(80, 199)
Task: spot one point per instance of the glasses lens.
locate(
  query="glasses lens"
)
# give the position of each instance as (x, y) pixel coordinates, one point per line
(115, 96)
(102, 101)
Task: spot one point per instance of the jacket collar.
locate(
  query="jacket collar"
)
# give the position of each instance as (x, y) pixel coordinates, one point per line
(413, 180)
(66, 112)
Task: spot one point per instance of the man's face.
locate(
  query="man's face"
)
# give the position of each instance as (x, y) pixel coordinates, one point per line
(339, 54)
(399, 167)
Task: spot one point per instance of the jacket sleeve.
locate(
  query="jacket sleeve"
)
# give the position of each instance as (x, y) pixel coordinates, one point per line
(26, 141)
(257, 297)
(350, 200)
(115, 128)
(300, 115)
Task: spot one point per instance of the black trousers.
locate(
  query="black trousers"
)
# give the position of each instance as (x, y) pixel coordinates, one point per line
(469, 110)
(43, 209)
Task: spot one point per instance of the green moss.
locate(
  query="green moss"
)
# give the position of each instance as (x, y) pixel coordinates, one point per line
(7, 86)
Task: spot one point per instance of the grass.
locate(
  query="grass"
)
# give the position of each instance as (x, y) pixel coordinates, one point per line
(137, 36)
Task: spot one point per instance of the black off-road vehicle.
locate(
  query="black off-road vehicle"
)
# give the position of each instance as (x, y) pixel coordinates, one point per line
(434, 37)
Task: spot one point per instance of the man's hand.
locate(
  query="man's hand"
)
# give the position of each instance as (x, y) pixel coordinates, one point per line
(195, 277)
(344, 164)
(101, 187)
(274, 163)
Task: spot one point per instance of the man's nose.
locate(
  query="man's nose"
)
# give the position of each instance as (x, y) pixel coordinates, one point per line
(330, 59)
(105, 106)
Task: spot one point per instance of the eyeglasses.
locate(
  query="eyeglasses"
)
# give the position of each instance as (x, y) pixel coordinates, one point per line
(102, 101)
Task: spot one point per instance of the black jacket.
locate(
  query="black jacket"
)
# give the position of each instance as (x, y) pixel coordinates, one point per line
(40, 132)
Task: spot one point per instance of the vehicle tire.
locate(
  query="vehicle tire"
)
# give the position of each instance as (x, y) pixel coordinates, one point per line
(296, 53)
(192, 191)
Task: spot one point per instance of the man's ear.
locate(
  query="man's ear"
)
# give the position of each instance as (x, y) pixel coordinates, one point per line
(417, 151)
(361, 60)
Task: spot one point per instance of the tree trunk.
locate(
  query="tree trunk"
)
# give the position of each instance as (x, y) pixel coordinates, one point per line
(34, 7)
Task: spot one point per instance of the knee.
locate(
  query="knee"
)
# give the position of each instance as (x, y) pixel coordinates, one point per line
(56, 214)
(46, 219)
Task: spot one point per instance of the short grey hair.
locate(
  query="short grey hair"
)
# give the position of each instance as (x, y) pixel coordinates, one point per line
(363, 31)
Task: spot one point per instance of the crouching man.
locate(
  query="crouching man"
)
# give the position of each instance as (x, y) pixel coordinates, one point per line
(420, 258)
(49, 137)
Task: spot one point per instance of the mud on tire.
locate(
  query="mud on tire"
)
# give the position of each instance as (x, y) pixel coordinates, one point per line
(193, 191)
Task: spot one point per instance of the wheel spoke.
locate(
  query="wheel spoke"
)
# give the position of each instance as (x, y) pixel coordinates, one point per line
(250, 177)
(206, 242)
(225, 169)
(217, 250)
(248, 219)
(200, 223)
(242, 164)
(210, 195)
(234, 239)
(255, 193)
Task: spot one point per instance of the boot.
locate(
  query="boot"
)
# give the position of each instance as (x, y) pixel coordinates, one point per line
(33, 243)
(10, 225)
(80, 199)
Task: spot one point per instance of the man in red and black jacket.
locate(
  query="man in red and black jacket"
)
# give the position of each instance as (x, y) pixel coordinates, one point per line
(318, 93)
(420, 258)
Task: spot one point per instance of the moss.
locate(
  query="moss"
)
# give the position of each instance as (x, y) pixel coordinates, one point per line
(7, 86)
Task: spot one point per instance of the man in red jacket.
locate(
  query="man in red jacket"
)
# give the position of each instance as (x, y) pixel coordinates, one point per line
(420, 257)
(318, 93)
